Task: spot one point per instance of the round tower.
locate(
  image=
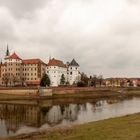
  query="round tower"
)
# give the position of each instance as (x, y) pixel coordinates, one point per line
(73, 72)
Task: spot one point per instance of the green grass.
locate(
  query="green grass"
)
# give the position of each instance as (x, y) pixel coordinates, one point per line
(123, 128)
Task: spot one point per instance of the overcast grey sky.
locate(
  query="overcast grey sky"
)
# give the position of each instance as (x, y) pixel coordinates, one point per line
(102, 35)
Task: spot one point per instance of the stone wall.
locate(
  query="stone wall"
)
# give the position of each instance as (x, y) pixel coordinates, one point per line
(32, 92)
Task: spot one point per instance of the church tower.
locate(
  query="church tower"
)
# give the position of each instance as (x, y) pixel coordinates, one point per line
(7, 52)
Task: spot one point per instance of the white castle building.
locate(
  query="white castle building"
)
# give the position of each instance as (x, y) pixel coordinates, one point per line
(56, 68)
(16, 71)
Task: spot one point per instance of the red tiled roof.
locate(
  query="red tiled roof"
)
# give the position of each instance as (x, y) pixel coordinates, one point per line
(55, 62)
(14, 56)
(33, 61)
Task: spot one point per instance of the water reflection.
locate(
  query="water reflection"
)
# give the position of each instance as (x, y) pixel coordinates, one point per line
(16, 117)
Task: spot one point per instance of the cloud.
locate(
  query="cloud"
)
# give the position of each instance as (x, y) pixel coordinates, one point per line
(21, 8)
(103, 36)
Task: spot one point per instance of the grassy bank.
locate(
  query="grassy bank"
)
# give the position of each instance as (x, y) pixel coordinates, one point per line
(123, 128)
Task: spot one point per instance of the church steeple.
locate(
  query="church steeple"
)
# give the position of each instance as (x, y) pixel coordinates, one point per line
(1, 62)
(7, 51)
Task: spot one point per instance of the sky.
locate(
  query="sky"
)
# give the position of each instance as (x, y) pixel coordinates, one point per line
(102, 35)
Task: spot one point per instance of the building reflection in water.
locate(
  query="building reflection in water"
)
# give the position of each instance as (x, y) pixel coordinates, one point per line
(15, 116)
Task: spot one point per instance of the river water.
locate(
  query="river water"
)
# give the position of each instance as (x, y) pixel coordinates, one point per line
(25, 117)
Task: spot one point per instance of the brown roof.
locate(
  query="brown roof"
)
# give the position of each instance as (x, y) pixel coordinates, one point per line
(14, 56)
(33, 61)
(55, 62)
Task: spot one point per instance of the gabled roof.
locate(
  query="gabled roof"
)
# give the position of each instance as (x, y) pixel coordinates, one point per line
(14, 56)
(74, 63)
(55, 62)
(33, 61)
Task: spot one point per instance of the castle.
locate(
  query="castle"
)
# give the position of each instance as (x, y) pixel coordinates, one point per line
(15, 71)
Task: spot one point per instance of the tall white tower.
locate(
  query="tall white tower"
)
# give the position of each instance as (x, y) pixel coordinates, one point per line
(73, 72)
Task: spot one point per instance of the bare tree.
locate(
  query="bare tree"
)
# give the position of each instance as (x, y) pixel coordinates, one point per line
(100, 79)
(94, 80)
(14, 79)
(22, 81)
(6, 79)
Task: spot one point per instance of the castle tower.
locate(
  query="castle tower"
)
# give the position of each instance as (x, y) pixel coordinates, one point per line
(73, 72)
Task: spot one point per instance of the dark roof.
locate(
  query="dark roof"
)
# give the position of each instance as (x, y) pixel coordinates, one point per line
(73, 63)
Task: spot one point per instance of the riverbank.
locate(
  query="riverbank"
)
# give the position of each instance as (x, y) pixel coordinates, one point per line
(122, 128)
(76, 93)
(95, 94)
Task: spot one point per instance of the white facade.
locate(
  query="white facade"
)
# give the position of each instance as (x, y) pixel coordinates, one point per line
(55, 73)
(56, 68)
(73, 74)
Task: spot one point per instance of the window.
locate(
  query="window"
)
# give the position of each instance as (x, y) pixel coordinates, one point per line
(70, 73)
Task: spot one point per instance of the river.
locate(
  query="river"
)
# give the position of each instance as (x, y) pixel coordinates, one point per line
(18, 117)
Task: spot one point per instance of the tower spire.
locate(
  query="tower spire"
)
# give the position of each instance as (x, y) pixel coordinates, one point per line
(7, 51)
(50, 57)
(1, 62)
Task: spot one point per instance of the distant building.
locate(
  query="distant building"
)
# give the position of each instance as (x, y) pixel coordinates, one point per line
(15, 71)
(122, 82)
(56, 68)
